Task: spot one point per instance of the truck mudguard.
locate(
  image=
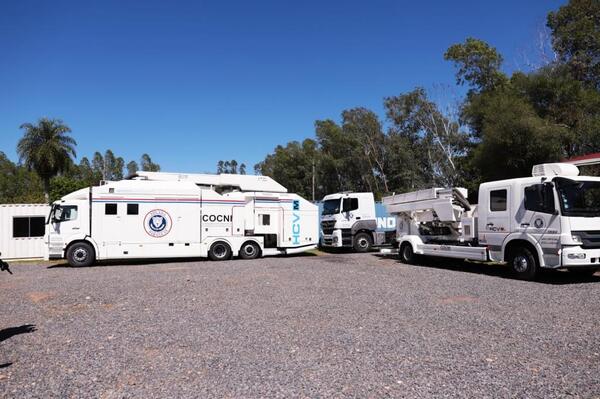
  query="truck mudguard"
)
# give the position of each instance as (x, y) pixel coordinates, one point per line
(370, 225)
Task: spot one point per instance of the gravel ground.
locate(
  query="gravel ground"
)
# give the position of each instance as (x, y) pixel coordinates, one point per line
(336, 325)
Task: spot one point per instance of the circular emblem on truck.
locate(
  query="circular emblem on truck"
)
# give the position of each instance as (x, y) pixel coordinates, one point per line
(538, 223)
(157, 223)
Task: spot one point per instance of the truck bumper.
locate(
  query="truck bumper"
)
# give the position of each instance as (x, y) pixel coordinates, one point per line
(333, 240)
(580, 257)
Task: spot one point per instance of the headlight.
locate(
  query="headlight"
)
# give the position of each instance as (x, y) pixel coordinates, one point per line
(576, 256)
(576, 239)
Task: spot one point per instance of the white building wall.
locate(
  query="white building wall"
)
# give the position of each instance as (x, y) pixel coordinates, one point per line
(22, 247)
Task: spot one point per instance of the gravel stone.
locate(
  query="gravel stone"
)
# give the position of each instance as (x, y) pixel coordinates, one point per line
(336, 325)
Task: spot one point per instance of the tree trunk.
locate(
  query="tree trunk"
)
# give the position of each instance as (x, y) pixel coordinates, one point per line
(46, 182)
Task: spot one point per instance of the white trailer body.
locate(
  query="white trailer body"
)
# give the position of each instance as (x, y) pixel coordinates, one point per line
(550, 220)
(160, 215)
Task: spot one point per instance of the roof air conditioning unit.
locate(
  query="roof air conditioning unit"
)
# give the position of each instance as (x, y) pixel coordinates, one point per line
(555, 169)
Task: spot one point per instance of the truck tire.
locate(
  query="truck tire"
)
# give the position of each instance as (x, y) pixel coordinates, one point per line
(523, 263)
(249, 250)
(81, 254)
(363, 242)
(407, 254)
(220, 250)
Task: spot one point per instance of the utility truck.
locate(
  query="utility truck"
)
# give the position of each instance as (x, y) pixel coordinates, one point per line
(170, 215)
(355, 220)
(550, 220)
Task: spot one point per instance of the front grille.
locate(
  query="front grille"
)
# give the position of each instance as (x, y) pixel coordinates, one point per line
(327, 226)
(590, 238)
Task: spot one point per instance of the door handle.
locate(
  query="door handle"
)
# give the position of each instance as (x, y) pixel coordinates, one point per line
(74, 228)
(489, 224)
(358, 218)
(525, 224)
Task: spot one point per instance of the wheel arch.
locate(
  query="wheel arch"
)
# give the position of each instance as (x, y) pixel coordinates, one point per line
(78, 240)
(364, 230)
(413, 240)
(522, 242)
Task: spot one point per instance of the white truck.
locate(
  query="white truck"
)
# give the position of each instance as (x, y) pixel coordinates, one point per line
(169, 215)
(550, 220)
(352, 220)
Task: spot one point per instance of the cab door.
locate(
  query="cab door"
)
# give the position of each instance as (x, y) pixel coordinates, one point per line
(537, 217)
(494, 223)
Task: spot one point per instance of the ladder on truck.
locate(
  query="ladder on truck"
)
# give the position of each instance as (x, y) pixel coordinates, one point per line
(443, 204)
(445, 207)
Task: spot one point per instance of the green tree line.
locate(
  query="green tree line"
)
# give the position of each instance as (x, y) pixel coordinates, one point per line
(502, 127)
(47, 171)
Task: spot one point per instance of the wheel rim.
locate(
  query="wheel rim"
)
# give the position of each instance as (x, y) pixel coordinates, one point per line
(80, 255)
(407, 253)
(363, 242)
(520, 263)
(220, 250)
(249, 250)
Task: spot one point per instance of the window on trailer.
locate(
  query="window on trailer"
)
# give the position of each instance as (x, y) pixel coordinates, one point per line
(28, 226)
(110, 209)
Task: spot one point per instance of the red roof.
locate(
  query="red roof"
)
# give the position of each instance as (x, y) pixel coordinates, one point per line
(588, 159)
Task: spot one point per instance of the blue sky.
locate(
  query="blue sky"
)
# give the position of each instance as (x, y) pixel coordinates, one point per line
(192, 82)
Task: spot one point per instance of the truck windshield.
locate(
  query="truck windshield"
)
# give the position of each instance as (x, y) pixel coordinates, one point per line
(578, 198)
(331, 207)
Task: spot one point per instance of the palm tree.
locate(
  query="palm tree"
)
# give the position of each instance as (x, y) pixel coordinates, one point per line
(47, 149)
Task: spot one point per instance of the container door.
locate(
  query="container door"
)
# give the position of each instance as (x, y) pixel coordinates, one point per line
(110, 219)
(237, 222)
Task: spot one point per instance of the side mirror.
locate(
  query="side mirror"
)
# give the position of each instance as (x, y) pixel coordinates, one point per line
(57, 215)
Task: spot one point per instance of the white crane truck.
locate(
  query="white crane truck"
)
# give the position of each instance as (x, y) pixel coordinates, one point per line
(170, 215)
(353, 220)
(550, 220)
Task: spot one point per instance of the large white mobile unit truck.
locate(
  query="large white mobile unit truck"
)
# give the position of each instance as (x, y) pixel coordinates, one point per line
(350, 220)
(550, 220)
(169, 215)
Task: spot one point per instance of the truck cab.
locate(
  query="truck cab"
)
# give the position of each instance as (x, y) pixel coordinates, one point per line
(555, 215)
(68, 222)
(350, 220)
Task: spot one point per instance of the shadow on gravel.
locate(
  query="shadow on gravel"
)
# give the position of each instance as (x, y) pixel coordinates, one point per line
(12, 331)
(129, 262)
(144, 262)
(5, 365)
(555, 277)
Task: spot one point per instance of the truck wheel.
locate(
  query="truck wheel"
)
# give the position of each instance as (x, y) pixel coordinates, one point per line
(523, 263)
(219, 251)
(81, 254)
(362, 242)
(407, 255)
(250, 250)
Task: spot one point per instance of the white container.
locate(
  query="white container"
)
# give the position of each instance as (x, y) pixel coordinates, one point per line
(22, 230)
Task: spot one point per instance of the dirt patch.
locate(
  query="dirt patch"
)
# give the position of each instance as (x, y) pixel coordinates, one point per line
(40, 296)
(66, 309)
(457, 299)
